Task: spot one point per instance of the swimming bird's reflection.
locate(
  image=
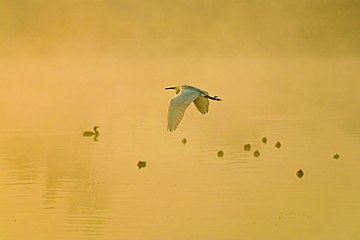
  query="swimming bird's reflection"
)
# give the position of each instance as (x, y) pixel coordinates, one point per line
(94, 134)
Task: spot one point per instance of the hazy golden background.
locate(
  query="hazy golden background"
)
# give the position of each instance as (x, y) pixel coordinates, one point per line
(173, 28)
(287, 70)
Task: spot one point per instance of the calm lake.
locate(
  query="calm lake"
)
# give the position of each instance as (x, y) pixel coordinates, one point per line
(57, 184)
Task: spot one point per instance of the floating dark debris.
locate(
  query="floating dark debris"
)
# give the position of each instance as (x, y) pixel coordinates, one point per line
(336, 156)
(141, 164)
(278, 144)
(256, 153)
(220, 153)
(184, 141)
(300, 173)
(247, 147)
(264, 140)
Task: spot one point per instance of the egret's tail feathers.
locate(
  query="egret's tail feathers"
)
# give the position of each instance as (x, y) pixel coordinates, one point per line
(216, 98)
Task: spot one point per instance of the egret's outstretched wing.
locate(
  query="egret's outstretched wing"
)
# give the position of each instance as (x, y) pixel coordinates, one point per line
(178, 105)
(202, 104)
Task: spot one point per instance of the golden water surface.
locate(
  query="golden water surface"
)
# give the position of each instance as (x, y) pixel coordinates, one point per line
(107, 63)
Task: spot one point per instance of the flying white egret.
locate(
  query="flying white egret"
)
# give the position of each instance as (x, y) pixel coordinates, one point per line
(180, 102)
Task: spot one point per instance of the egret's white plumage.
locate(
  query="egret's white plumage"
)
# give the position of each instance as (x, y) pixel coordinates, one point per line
(187, 94)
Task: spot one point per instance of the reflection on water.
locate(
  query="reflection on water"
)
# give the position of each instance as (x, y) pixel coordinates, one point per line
(21, 165)
(70, 175)
(224, 181)
(63, 168)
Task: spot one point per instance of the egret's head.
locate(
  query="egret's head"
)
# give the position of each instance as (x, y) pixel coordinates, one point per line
(176, 88)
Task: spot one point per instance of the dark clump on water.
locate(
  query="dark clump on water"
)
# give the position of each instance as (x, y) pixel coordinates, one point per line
(247, 147)
(300, 173)
(141, 164)
(264, 140)
(336, 156)
(220, 153)
(184, 141)
(278, 144)
(256, 153)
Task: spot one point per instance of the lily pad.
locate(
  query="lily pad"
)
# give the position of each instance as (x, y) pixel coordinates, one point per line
(141, 164)
(220, 153)
(300, 173)
(256, 153)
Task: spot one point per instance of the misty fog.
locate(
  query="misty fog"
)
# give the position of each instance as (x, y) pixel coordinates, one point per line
(182, 27)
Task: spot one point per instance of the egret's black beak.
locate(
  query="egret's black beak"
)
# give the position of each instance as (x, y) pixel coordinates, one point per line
(170, 88)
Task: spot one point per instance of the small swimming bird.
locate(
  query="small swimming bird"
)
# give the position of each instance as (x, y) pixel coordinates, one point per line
(186, 94)
(94, 133)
